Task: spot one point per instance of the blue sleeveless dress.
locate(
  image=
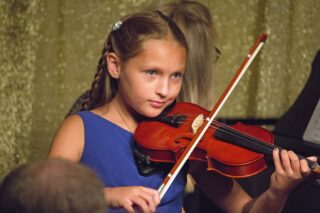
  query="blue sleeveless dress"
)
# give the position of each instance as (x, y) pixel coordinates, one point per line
(108, 150)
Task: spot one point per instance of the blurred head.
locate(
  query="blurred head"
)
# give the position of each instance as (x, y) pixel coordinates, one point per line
(52, 185)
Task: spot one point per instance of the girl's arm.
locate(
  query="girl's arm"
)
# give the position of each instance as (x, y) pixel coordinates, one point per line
(229, 196)
(289, 172)
(68, 142)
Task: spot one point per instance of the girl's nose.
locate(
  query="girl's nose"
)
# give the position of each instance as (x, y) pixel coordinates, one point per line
(163, 88)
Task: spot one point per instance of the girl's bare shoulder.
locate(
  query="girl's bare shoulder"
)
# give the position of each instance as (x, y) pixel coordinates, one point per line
(68, 141)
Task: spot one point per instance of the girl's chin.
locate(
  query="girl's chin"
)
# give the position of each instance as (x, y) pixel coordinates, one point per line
(152, 114)
(143, 115)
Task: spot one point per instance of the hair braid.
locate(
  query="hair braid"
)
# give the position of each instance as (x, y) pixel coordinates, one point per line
(97, 93)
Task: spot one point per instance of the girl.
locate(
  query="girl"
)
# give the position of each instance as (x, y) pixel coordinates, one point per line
(143, 61)
(139, 75)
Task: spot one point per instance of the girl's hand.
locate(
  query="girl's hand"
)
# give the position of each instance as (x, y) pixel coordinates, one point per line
(133, 198)
(289, 172)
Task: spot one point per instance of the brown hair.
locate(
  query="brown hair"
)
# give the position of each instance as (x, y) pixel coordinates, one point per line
(52, 185)
(126, 40)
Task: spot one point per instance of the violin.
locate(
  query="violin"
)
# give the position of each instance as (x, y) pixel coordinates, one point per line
(189, 132)
(165, 138)
(236, 151)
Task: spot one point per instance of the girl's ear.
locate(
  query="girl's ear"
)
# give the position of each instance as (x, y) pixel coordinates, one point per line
(113, 64)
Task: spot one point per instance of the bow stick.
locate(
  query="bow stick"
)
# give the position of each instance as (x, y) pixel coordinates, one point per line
(206, 124)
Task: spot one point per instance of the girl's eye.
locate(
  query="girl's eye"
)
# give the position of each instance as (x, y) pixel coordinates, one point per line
(177, 75)
(151, 72)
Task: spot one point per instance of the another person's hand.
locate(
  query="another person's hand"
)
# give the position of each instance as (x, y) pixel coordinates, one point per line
(133, 198)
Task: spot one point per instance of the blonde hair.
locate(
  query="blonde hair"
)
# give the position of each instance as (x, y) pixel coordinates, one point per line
(194, 19)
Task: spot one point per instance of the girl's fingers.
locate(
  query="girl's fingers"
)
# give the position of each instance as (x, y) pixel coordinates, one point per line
(128, 207)
(295, 162)
(148, 197)
(142, 204)
(134, 199)
(286, 161)
(277, 160)
(313, 158)
(304, 168)
(154, 194)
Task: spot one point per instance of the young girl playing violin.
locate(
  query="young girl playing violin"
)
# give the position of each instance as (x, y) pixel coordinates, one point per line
(139, 75)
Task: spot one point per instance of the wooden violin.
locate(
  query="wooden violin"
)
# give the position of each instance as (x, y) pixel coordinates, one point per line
(235, 151)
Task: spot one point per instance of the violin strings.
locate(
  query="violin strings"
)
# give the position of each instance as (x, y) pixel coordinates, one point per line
(246, 137)
(250, 139)
(233, 132)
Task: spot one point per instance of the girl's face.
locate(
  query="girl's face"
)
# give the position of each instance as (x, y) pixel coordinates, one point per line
(151, 80)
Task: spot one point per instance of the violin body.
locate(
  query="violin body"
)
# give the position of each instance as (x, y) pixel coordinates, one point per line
(165, 143)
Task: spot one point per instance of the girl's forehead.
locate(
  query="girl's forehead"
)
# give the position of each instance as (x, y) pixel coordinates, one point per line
(163, 53)
(165, 43)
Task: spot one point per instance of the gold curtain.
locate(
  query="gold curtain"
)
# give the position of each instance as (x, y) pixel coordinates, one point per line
(49, 50)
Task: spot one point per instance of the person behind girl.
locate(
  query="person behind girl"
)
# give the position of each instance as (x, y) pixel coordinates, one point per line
(139, 75)
(194, 20)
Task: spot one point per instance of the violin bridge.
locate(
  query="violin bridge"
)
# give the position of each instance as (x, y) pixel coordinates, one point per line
(197, 122)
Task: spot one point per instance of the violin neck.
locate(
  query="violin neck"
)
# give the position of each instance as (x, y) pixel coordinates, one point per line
(252, 143)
